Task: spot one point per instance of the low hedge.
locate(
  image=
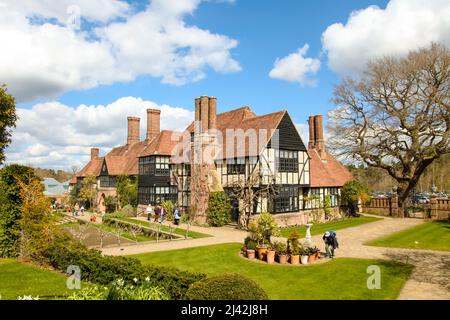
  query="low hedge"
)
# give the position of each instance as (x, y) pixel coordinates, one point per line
(227, 286)
(103, 270)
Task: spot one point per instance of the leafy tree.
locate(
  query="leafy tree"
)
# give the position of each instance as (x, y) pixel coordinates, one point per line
(8, 119)
(127, 191)
(36, 222)
(10, 207)
(219, 209)
(88, 191)
(397, 116)
(111, 203)
(352, 192)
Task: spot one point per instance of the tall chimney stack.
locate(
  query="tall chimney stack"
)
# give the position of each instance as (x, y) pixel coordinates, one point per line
(94, 153)
(204, 113)
(318, 133)
(312, 137)
(212, 114)
(153, 123)
(133, 130)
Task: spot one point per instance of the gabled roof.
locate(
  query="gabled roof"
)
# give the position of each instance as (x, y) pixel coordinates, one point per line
(163, 144)
(246, 120)
(328, 172)
(93, 168)
(124, 159)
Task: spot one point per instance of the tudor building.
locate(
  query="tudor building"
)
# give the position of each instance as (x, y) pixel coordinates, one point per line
(239, 144)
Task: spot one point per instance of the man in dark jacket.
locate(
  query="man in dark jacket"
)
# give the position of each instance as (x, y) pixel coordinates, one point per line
(331, 243)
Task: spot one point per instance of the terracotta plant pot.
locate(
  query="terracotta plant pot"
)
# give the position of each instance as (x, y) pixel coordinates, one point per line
(295, 259)
(250, 253)
(312, 258)
(282, 258)
(270, 256)
(262, 252)
(304, 259)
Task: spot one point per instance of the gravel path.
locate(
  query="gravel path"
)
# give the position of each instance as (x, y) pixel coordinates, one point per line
(429, 279)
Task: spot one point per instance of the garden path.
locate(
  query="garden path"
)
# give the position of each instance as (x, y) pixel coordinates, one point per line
(429, 279)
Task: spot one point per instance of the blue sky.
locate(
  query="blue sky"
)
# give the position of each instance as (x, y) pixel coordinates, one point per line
(266, 30)
(78, 68)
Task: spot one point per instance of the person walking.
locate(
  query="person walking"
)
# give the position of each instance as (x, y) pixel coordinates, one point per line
(77, 207)
(176, 215)
(331, 243)
(157, 211)
(162, 212)
(82, 210)
(149, 211)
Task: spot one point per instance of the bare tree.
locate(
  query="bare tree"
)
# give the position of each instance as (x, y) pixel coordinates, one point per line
(396, 116)
(250, 189)
(135, 230)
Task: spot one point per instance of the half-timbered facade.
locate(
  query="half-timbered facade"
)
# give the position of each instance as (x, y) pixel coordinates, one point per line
(244, 144)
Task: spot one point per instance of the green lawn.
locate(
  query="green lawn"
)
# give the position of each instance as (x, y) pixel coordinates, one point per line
(165, 228)
(19, 279)
(430, 235)
(110, 229)
(334, 225)
(341, 278)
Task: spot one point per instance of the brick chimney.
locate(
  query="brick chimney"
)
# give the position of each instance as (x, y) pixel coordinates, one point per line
(312, 139)
(318, 136)
(204, 113)
(153, 123)
(212, 114)
(94, 153)
(133, 130)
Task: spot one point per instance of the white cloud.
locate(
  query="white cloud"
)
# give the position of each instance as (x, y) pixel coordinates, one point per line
(296, 67)
(49, 57)
(371, 33)
(55, 135)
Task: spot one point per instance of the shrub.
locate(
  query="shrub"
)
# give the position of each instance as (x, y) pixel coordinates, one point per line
(228, 286)
(128, 211)
(267, 227)
(104, 270)
(219, 209)
(168, 207)
(294, 243)
(10, 207)
(351, 192)
(280, 247)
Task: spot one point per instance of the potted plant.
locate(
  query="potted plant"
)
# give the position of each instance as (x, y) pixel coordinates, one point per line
(281, 251)
(251, 245)
(270, 254)
(304, 255)
(264, 227)
(294, 253)
(313, 254)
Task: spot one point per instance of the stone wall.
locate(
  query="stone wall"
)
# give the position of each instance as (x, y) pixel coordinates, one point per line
(302, 217)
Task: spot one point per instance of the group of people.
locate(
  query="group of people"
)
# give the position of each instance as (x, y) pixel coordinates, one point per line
(159, 213)
(76, 209)
(331, 243)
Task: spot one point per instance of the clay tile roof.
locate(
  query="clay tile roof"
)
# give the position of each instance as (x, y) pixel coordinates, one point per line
(244, 118)
(163, 144)
(327, 173)
(91, 168)
(73, 180)
(124, 159)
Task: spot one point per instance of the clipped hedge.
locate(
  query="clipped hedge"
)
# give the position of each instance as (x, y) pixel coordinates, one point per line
(227, 286)
(103, 270)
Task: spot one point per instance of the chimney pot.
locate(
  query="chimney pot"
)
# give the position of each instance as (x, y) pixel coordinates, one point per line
(153, 123)
(133, 130)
